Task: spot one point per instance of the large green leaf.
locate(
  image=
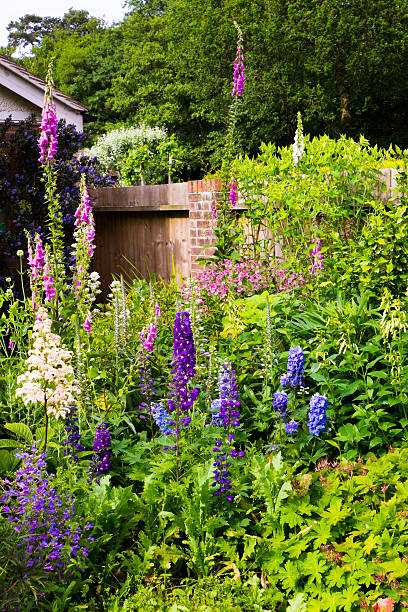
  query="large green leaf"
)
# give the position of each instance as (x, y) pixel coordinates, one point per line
(21, 430)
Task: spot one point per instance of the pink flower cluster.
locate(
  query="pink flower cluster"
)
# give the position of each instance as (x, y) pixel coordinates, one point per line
(148, 334)
(40, 271)
(287, 281)
(48, 281)
(48, 137)
(233, 194)
(147, 337)
(239, 72)
(85, 221)
(87, 322)
(36, 260)
(240, 278)
(317, 256)
(243, 277)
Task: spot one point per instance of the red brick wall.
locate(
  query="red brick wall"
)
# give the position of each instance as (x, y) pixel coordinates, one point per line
(200, 196)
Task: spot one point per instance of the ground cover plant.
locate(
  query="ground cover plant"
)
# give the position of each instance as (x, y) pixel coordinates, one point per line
(235, 441)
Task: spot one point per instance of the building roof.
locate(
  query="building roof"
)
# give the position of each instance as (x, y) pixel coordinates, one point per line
(31, 78)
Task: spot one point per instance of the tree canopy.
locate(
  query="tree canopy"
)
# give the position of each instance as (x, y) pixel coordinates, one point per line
(169, 63)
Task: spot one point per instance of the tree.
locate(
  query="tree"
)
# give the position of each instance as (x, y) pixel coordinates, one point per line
(170, 62)
(32, 29)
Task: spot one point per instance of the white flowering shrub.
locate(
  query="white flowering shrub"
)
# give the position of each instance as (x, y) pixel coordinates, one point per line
(112, 147)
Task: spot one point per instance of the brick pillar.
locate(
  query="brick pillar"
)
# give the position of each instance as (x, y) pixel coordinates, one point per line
(201, 223)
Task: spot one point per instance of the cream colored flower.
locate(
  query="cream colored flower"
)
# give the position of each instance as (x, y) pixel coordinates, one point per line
(49, 379)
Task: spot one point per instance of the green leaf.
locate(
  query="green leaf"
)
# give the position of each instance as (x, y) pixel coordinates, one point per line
(323, 533)
(289, 575)
(40, 433)
(336, 577)
(297, 604)
(331, 601)
(21, 431)
(314, 567)
(9, 443)
(350, 433)
(397, 568)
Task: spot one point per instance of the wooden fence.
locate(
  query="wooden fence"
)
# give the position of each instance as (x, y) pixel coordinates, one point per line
(153, 229)
(157, 228)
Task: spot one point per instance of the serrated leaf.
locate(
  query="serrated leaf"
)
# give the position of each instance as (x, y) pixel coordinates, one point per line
(397, 568)
(314, 567)
(289, 575)
(297, 604)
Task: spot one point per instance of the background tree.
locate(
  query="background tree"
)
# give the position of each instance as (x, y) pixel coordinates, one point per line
(169, 63)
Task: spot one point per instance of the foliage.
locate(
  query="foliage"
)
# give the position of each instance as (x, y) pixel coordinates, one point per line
(331, 198)
(23, 192)
(222, 432)
(168, 64)
(32, 29)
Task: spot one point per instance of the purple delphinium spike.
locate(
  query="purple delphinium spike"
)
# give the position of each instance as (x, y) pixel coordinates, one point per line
(317, 414)
(221, 475)
(296, 361)
(226, 415)
(73, 443)
(102, 451)
(291, 427)
(49, 530)
(229, 404)
(184, 363)
(280, 403)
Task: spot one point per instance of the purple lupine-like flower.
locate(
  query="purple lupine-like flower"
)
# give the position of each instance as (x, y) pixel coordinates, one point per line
(221, 482)
(102, 451)
(280, 403)
(317, 414)
(291, 427)
(226, 415)
(184, 363)
(73, 443)
(296, 362)
(284, 380)
(233, 193)
(49, 531)
(147, 336)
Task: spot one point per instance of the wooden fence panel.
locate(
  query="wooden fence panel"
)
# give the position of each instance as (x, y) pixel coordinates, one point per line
(140, 244)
